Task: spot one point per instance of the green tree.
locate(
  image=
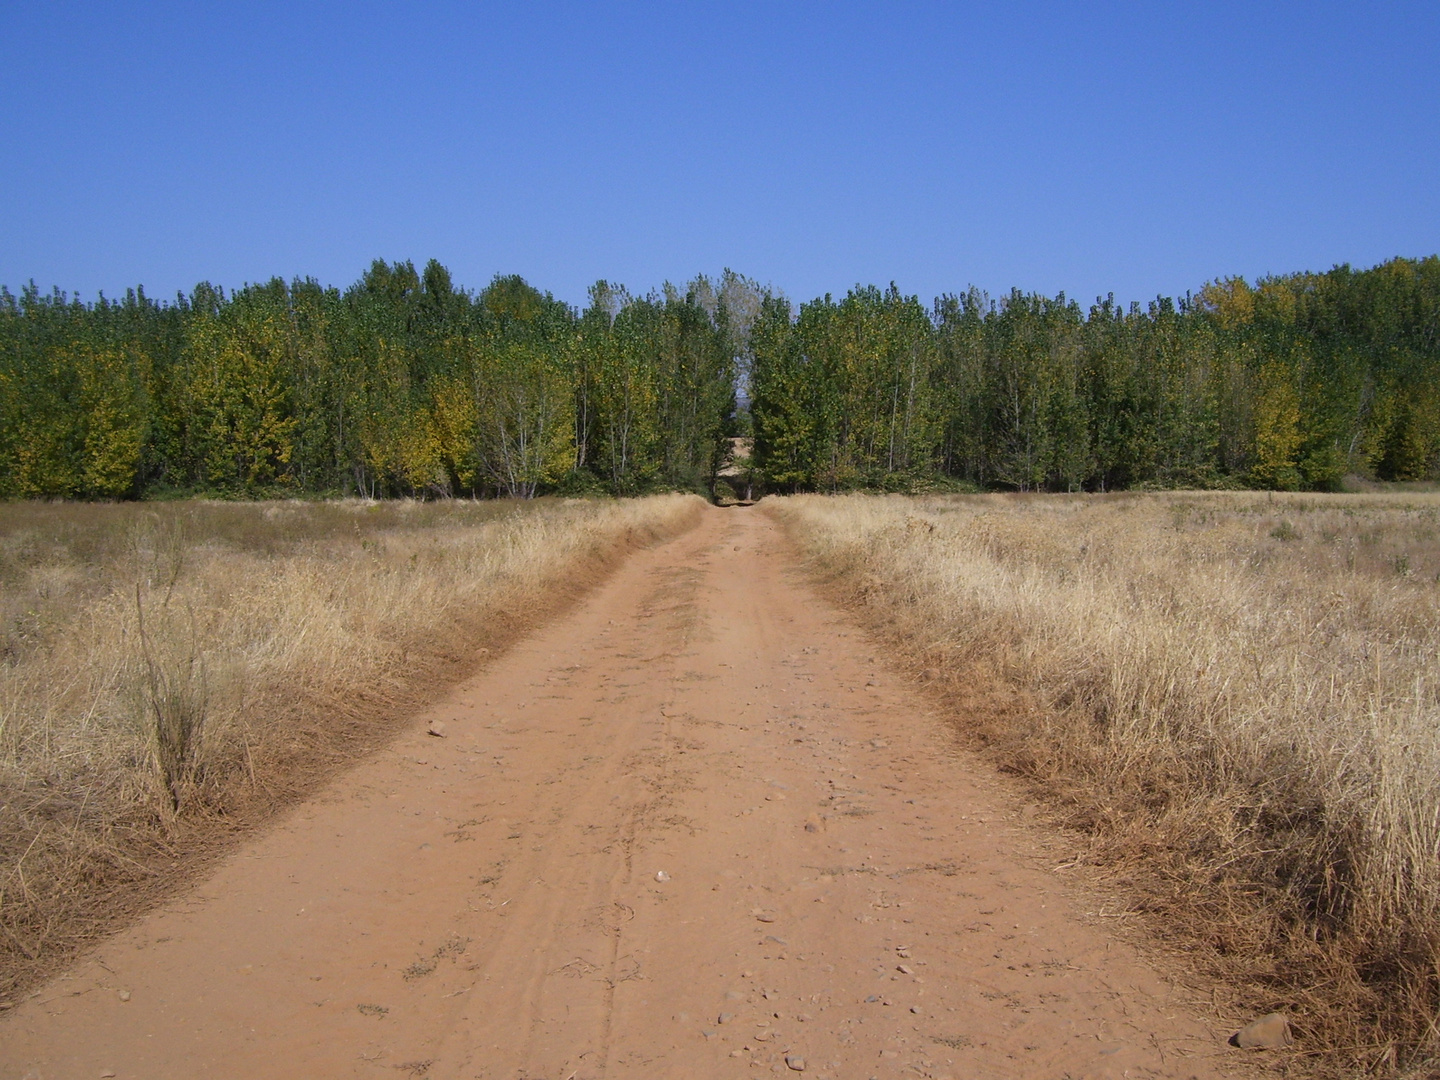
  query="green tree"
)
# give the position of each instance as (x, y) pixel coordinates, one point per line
(240, 423)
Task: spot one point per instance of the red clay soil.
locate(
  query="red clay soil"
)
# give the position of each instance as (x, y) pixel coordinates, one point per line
(692, 829)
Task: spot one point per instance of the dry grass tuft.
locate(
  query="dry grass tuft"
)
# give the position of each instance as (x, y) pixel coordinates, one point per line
(170, 673)
(1235, 696)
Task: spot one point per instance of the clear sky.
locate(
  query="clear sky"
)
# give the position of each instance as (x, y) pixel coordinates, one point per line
(1136, 148)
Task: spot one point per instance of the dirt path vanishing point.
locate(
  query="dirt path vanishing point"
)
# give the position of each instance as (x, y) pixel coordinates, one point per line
(691, 830)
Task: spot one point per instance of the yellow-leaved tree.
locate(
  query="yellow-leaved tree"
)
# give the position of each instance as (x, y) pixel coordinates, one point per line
(1277, 429)
(240, 426)
(112, 407)
(525, 409)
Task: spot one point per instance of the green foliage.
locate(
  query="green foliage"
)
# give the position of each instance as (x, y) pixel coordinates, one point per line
(842, 396)
(236, 393)
(405, 384)
(657, 379)
(1291, 383)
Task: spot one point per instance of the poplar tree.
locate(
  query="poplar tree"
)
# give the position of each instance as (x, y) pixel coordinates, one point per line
(406, 384)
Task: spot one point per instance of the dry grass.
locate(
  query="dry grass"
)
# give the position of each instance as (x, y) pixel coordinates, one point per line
(171, 673)
(1236, 698)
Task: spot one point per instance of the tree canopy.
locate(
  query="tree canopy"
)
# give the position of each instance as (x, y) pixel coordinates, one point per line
(405, 384)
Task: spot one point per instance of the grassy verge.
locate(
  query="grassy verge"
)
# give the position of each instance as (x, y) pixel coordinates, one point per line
(1234, 697)
(172, 673)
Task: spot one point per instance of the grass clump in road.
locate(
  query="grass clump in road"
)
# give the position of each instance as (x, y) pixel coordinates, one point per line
(172, 672)
(1236, 696)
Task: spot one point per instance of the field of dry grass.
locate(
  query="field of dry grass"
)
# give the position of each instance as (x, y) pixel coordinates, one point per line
(1233, 698)
(170, 673)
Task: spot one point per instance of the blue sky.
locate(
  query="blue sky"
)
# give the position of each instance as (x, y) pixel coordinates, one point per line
(1090, 148)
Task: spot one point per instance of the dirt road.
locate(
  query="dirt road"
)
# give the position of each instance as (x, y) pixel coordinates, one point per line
(692, 830)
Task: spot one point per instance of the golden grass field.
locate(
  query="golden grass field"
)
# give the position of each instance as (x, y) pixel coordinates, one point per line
(170, 673)
(1232, 698)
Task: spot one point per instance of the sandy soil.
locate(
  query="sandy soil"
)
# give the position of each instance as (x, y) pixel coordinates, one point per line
(694, 829)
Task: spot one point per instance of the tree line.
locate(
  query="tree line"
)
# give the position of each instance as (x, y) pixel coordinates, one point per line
(404, 384)
(1290, 383)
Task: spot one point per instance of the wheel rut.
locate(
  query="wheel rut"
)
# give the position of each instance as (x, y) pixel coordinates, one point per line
(694, 829)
